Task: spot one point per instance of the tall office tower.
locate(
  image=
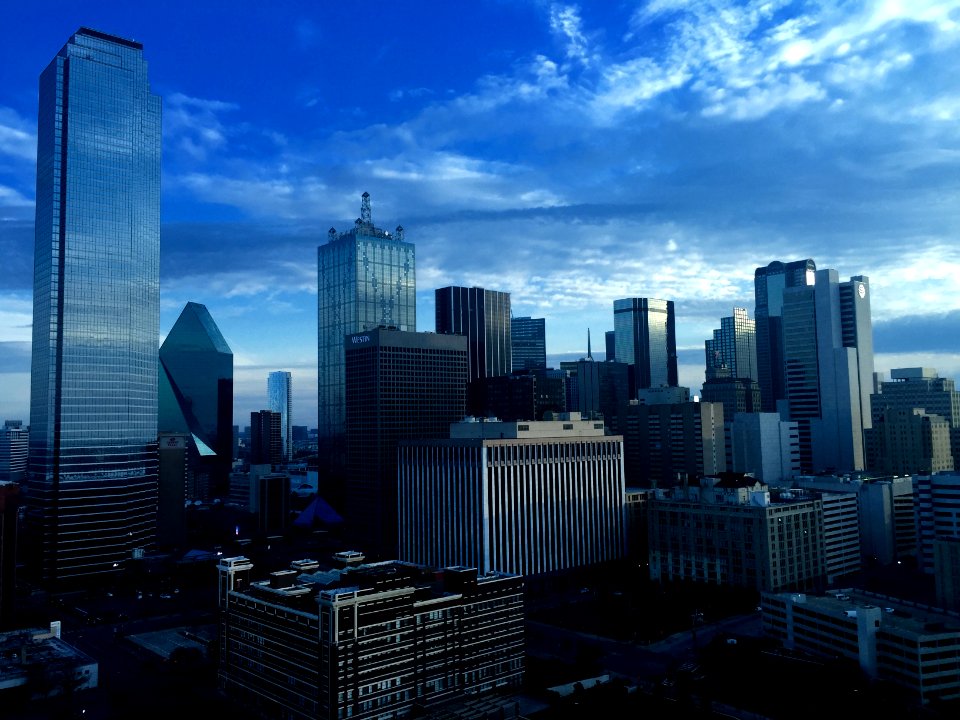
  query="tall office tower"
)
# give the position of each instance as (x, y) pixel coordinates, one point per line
(400, 385)
(280, 400)
(14, 450)
(732, 353)
(769, 283)
(9, 507)
(265, 445)
(646, 338)
(938, 513)
(196, 399)
(763, 445)
(366, 280)
(737, 395)
(828, 363)
(911, 388)
(610, 341)
(604, 388)
(529, 498)
(92, 487)
(528, 339)
(483, 316)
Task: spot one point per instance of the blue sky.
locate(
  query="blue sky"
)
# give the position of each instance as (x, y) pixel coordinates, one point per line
(569, 154)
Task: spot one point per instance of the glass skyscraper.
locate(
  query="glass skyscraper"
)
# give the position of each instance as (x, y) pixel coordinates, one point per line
(196, 398)
(280, 400)
(93, 414)
(366, 280)
(483, 316)
(732, 353)
(646, 338)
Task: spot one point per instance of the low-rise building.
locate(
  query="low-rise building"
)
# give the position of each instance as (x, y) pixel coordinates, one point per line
(40, 664)
(367, 640)
(914, 646)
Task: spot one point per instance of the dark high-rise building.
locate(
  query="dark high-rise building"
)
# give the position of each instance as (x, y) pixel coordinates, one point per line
(92, 487)
(280, 400)
(604, 388)
(196, 398)
(400, 385)
(9, 505)
(828, 363)
(483, 316)
(528, 338)
(646, 339)
(769, 283)
(366, 280)
(737, 395)
(266, 447)
(610, 340)
(732, 352)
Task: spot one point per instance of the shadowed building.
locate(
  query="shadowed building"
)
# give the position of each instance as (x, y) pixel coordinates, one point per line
(266, 447)
(646, 339)
(528, 338)
(196, 399)
(92, 487)
(483, 317)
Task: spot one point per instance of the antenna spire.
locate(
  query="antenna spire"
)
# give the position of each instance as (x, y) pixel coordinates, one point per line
(365, 215)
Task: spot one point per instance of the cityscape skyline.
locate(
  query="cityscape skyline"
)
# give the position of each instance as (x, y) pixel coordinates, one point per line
(840, 149)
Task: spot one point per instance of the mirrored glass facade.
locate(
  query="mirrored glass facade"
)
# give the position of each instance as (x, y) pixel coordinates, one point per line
(93, 475)
(646, 337)
(483, 316)
(280, 400)
(366, 280)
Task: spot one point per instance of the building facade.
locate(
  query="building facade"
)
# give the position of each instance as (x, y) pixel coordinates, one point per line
(14, 451)
(400, 385)
(96, 317)
(266, 446)
(938, 513)
(522, 498)
(369, 641)
(646, 338)
(280, 400)
(764, 446)
(728, 531)
(483, 317)
(828, 366)
(528, 339)
(769, 283)
(366, 280)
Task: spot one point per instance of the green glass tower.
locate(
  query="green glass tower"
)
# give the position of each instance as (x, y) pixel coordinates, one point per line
(92, 490)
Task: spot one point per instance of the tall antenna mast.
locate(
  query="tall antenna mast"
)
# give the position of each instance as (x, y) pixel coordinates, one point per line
(365, 216)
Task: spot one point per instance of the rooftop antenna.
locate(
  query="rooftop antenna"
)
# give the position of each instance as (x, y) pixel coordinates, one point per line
(589, 354)
(365, 216)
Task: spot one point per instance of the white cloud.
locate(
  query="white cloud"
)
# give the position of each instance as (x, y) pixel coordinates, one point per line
(565, 21)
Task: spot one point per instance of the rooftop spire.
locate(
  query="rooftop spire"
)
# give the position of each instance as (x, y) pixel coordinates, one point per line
(365, 216)
(589, 353)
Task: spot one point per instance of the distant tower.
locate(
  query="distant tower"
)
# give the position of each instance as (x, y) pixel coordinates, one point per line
(483, 316)
(280, 400)
(646, 338)
(528, 343)
(732, 353)
(366, 280)
(265, 445)
(92, 488)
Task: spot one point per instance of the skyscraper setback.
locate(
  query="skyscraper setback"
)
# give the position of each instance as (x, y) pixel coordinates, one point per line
(93, 408)
(366, 280)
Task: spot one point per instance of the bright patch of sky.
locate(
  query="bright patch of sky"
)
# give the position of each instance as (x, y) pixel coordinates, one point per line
(571, 154)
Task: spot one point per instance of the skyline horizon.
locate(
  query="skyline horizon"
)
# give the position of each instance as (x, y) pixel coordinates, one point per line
(578, 155)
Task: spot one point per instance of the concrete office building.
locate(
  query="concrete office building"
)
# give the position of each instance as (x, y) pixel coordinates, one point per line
(665, 443)
(196, 399)
(907, 390)
(909, 441)
(729, 530)
(483, 317)
(828, 361)
(938, 512)
(764, 446)
(280, 400)
(646, 339)
(737, 395)
(400, 386)
(96, 311)
(886, 511)
(14, 451)
(368, 641)
(769, 284)
(914, 647)
(266, 445)
(366, 280)
(528, 338)
(530, 499)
